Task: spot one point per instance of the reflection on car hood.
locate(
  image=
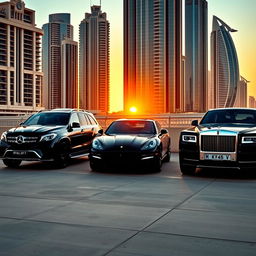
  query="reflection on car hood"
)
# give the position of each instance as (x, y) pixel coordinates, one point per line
(33, 129)
(123, 141)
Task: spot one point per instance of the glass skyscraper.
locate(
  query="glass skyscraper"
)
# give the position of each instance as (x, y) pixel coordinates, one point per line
(57, 30)
(196, 51)
(153, 55)
(224, 65)
(94, 61)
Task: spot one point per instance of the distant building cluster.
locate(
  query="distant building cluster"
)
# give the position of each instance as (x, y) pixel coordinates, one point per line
(46, 68)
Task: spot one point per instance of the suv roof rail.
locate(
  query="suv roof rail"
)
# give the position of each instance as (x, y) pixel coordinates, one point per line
(70, 110)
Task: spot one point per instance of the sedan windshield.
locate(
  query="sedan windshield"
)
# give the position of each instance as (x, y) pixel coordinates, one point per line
(131, 127)
(230, 116)
(47, 118)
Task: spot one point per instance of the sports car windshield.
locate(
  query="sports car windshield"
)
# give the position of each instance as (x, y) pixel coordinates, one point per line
(236, 116)
(131, 127)
(47, 118)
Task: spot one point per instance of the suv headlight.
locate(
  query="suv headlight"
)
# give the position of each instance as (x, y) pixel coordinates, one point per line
(48, 137)
(97, 145)
(150, 145)
(249, 140)
(189, 138)
(3, 136)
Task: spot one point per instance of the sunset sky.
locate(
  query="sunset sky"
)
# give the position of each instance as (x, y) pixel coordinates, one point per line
(239, 14)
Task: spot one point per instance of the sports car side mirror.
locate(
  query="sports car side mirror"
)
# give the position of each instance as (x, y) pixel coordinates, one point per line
(100, 132)
(194, 123)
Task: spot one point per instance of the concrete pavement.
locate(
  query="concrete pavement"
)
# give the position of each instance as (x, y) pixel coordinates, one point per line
(44, 211)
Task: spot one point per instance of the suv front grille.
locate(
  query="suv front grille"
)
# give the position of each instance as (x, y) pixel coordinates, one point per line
(214, 143)
(21, 139)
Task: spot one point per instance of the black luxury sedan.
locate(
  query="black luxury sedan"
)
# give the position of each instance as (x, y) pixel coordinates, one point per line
(225, 138)
(53, 136)
(131, 143)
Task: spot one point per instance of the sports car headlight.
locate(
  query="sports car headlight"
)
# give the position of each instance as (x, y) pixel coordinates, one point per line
(189, 138)
(149, 145)
(249, 140)
(3, 136)
(97, 145)
(48, 137)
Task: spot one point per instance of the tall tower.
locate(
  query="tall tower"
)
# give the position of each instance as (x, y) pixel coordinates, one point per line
(242, 95)
(153, 55)
(94, 61)
(57, 30)
(196, 43)
(224, 65)
(20, 59)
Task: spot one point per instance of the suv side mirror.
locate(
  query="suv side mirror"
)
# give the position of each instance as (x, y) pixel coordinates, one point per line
(164, 131)
(75, 125)
(194, 123)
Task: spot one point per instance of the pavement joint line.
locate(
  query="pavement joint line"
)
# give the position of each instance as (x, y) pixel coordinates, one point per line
(165, 214)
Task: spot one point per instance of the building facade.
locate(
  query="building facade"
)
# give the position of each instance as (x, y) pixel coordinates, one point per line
(57, 30)
(20, 59)
(94, 61)
(252, 102)
(69, 74)
(224, 65)
(241, 97)
(196, 51)
(153, 55)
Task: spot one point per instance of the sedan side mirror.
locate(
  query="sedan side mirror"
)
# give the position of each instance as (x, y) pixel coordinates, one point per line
(75, 125)
(194, 123)
(164, 131)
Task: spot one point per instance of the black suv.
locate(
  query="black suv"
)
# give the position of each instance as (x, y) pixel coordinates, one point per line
(53, 136)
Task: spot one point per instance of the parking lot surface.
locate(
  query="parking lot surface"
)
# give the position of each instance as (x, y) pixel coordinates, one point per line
(73, 211)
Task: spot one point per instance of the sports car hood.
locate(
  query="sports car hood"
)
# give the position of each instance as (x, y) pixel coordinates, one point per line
(232, 128)
(33, 129)
(125, 142)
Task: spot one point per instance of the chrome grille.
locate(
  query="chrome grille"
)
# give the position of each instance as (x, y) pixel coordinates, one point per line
(14, 139)
(214, 143)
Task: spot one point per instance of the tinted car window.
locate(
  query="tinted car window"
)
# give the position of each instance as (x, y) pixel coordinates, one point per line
(230, 116)
(131, 127)
(45, 118)
(92, 121)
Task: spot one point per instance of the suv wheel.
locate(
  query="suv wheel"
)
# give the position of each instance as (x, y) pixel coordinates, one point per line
(12, 163)
(62, 157)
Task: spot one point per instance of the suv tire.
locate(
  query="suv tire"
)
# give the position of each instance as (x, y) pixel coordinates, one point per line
(12, 163)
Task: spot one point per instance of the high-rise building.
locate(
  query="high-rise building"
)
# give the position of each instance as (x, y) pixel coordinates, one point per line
(153, 55)
(69, 73)
(241, 97)
(252, 102)
(94, 61)
(20, 59)
(224, 65)
(196, 51)
(57, 30)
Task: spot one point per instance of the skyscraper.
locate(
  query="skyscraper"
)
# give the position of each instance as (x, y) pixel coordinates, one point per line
(153, 55)
(94, 61)
(196, 51)
(224, 65)
(241, 97)
(20, 60)
(69, 73)
(57, 30)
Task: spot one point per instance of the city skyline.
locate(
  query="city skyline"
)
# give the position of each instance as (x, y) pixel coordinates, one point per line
(231, 13)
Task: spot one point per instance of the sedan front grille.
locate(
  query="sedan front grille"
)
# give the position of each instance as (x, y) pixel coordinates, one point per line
(214, 143)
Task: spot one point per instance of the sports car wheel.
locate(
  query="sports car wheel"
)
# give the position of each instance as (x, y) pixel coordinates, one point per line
(187, 170)
(95, 167)
(167, 157)
(157, 164)
(12, 163)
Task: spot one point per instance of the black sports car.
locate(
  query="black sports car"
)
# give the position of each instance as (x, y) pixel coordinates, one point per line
(225, 138)
(130, 143)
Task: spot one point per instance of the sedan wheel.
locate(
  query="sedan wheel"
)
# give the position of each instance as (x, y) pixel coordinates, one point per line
(12, 163)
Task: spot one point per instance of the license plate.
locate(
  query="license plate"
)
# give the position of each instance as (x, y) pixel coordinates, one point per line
(19, 153)
(217, 157)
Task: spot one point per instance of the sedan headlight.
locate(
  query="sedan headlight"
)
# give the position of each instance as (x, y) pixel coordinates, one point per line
(150, 145)
(3, 136)
(189, 138)
(97, 145)
(48, 137)
(249, 140)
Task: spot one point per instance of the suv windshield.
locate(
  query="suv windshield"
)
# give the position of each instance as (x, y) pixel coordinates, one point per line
(131, 127)
(233, 116)
(48, 118)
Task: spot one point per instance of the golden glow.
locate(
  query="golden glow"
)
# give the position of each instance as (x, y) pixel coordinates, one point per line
(133, 110)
